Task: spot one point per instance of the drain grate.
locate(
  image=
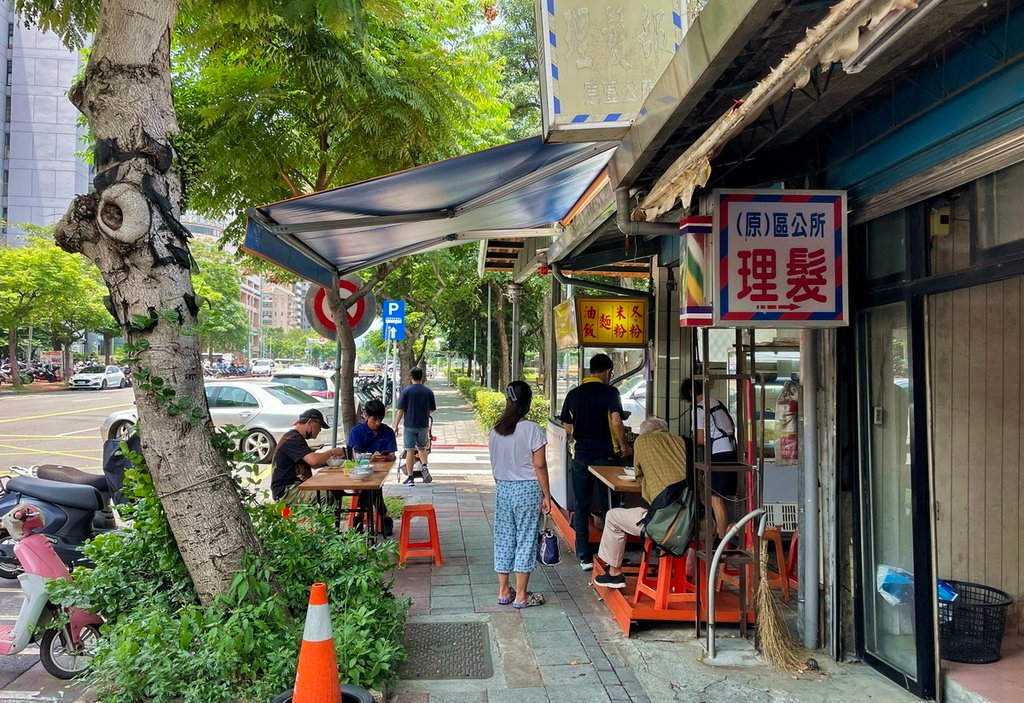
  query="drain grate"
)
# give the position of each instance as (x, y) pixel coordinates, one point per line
(447, 650)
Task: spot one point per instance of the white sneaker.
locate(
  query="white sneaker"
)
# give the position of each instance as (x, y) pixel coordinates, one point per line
(425, 472)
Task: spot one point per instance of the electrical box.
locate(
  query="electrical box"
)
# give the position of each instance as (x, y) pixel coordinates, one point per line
(940, 221)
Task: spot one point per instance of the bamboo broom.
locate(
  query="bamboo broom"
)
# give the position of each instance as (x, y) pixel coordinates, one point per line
(774, 639)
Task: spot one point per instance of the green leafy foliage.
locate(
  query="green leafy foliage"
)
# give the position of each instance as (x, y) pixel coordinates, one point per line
(223, 323)
(160, 645)
(491, 404)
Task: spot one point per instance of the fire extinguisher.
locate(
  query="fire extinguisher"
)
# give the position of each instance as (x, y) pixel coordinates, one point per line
(787, 426)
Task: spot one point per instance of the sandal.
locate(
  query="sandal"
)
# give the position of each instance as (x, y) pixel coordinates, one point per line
(507, 599)
(532, 599)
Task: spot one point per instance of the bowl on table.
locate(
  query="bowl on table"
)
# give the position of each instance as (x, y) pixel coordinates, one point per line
(335, 462)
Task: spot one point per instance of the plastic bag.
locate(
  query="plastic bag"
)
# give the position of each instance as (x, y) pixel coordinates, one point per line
(894, 584)
(787, 426)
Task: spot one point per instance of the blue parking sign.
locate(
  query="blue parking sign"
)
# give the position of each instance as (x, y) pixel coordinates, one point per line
(394, 320)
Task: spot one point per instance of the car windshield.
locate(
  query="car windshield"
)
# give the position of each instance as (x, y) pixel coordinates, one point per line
(94, 369)
(289, 395)
(304, 383)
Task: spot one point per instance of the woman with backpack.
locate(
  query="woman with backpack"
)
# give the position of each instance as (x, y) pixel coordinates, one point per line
(522, 493)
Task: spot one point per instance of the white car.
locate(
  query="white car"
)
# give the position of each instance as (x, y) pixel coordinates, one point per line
(316, 382)
(101, 377)
(266, 411)
(261, 367)
(634, 402)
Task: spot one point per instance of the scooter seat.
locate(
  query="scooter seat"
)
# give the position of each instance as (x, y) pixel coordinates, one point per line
(69, 474)
(66, 494)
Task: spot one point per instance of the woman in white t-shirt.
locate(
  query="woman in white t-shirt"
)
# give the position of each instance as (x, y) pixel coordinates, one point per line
(521, 477)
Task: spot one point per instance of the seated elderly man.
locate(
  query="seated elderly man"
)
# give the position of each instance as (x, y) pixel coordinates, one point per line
(660, 460)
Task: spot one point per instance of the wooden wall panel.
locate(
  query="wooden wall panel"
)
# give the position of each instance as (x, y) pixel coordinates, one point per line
(975, 365)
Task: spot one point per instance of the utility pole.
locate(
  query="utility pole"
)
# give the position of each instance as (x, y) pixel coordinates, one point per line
(490, 371)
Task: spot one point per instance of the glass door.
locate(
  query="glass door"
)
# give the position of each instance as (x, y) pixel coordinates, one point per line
(896, 628)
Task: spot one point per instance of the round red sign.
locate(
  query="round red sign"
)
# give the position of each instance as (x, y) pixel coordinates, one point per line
(360, 315)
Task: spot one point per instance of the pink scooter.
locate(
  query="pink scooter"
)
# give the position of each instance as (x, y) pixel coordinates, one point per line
(65, 652)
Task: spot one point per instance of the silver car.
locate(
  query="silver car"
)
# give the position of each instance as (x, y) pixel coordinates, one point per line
(266, 411)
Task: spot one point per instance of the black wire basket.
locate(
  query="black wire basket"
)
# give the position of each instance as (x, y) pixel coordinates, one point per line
(971, 627)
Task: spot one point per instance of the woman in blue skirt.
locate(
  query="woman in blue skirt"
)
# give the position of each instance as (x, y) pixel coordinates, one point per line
(523, 493)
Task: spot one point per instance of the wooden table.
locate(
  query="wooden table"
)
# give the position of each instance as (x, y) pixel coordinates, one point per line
(339, 483)
(609, 476)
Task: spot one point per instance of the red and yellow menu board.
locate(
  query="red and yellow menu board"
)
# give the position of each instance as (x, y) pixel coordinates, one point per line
(601, 322)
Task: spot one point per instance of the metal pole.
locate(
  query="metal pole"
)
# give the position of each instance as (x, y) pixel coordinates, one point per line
(472, 371)
(809, 537)
(489, 325)
(714, 567)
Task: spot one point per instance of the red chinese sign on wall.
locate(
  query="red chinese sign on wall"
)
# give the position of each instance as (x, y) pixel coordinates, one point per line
(781, 258)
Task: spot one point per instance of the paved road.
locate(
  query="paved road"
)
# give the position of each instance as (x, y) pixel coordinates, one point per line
(61, 427)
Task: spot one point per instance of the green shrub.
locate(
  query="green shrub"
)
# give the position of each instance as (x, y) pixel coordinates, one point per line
(491, 404)
(468, 389)
(161, 645)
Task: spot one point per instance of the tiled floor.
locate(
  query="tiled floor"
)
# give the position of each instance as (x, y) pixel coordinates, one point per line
(556, 652)
(999, 682)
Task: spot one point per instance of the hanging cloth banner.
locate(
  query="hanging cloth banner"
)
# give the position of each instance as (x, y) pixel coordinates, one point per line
(695, 310)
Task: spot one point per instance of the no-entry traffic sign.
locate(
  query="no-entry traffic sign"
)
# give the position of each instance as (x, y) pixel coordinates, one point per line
(360, 315)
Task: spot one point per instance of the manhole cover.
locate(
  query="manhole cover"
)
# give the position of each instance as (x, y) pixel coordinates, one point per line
(447, 650)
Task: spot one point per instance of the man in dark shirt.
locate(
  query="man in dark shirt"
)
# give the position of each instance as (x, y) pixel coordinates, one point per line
(415, 405)
(592, 415)
(293, 459)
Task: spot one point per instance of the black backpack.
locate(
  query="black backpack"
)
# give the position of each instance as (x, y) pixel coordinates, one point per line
(671, 519)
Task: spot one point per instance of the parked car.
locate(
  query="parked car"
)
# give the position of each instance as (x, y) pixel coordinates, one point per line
(319, 384)
(634, 402)
(101, 377)
(265, 411)
(261, 367)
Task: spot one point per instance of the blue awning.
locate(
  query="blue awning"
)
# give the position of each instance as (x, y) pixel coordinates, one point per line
(525, 185)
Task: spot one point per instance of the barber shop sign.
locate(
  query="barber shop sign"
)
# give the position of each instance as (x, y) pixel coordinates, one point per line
(781, 258)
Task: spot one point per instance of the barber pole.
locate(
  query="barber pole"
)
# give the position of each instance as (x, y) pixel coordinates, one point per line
(695, 310)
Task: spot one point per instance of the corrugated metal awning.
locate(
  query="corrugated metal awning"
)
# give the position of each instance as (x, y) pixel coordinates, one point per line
(513, 190)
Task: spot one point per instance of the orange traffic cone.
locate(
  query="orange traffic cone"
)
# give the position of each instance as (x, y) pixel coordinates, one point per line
(316, 680)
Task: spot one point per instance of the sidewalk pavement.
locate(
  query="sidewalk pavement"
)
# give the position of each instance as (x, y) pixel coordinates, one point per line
(455, 423)
(34, 387)
(570, 649)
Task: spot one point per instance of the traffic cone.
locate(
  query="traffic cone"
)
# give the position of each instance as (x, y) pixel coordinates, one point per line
(316, 680)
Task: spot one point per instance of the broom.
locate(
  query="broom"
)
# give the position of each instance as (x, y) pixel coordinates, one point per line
(774, 639)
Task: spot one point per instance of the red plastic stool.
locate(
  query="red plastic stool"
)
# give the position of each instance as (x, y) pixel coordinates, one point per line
(430, 548)
(667, 587)
(352, 516)
(777, 579)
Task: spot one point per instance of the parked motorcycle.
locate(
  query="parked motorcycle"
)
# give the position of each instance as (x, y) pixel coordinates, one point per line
(66, 651)
(76, 506)
(7, 376)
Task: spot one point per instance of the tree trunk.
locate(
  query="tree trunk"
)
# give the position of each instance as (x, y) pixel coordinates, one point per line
(66, 361)
(108, 349)
(12, 355)
(505, 369)
(129, 228)
(347, 370)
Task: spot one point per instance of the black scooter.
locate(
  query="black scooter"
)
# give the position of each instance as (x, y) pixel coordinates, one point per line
(75, 504)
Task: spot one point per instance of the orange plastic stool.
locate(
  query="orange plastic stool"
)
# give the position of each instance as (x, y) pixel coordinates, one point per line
(432, 547)
(791, 560)
(668, 586)
(352, 516)
(780, 578)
